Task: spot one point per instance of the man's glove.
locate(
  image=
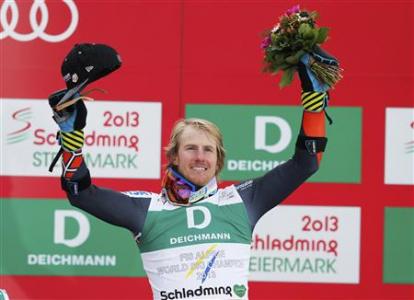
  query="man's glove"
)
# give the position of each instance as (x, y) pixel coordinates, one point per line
(314, 91)
(71, 121)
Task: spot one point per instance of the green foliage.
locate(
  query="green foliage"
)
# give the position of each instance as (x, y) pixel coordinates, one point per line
(322, 35)
(294, 35)
(287, 77)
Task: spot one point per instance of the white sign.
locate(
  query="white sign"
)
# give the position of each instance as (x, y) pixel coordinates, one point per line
(260, 133)
(122, 139)
(307, 244)
(399, 146)
(59, 229)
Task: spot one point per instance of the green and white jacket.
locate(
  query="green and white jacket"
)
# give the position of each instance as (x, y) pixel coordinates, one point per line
(199, 251)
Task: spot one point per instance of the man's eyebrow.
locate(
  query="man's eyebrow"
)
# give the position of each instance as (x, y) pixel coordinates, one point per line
(195, 145)
(189, 145)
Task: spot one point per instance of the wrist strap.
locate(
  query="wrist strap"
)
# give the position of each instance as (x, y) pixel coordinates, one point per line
(72, 141)
(68, 141)
(314, 101)
(55, 159)
(311, 144)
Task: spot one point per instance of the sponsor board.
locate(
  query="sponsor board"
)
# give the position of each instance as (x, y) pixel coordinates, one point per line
(50, 237)
(399, 146)
(263, 137)
(399, 245)
(122, 139)
(307, 244)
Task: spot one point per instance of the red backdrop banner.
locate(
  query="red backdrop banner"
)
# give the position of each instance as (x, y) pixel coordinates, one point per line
(208, 52)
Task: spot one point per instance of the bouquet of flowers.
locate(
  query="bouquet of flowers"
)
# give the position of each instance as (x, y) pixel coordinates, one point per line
(294, 35)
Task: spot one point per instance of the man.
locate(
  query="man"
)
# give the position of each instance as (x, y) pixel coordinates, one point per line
(193, 237)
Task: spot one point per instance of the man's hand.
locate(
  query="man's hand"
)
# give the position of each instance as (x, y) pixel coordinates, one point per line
(71, 121)
(71, 118)
(314, 91)
(308, 78)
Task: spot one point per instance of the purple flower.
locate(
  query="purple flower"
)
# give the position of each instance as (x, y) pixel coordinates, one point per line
(293, 10)
(266, 42)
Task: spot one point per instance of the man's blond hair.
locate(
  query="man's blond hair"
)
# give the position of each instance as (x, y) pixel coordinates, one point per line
(206, 126)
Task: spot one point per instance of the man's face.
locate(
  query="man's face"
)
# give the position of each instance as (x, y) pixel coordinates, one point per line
(197, 156)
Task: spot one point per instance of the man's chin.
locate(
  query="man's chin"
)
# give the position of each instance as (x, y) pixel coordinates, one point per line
(199, 181)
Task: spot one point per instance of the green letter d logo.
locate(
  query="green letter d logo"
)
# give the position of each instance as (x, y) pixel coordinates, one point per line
(84, 228)
(200, 223)
(261, 125)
